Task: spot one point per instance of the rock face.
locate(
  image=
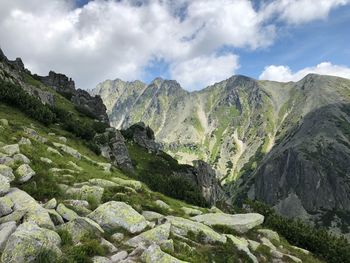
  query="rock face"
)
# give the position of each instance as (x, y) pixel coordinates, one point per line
(113, 215)
(60, 82)
(25, 244)
(238, 222)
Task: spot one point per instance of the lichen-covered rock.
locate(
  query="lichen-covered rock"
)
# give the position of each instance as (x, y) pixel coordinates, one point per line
(152, 216)
(24, 141)
(102, 183)
(68, 150)
(91, 192)
(46, 160)
(6, 204)
(55, 217)
(75, 166)
(21, 158)
(7, 172)
(110, 247)
(81, 226)
(130, 183)
(242, 245)
(155, 255)
(156, 235)
(24, 173)
(98, 259)
(52, 150)
(112, 215)
(162, 204)
(6, 160)
(62, 139)
(4, 185)
(119, 256)
(105, 166)
(33, 211)
(10, 149)
(26, 243)
(191, 211)
(66, 213)
(117, 237)
(238, 222)
(15, 216)
(6, 230)
(51, 204)
(182, 227)
(271, 235)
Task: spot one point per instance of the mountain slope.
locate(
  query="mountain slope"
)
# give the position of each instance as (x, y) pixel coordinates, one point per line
(286, 144)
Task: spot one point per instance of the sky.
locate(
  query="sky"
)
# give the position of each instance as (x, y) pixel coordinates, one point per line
(196, 42)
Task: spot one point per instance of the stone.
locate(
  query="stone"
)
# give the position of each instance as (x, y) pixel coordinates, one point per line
(6, 230)
(91, 192)
(30, 209)
(162, 204)
(119, 256)
(4, 122)
(304, 251)
(21, 158)
(6, 160)
(46, 160)
(24, 141)
(62, 139)
(34, 135)
(7, 172)
(24, 173)
(117, 237)
(68, 150)
(66, 213)
(293, 258)
(130, 183)
(156, 235)
(253, 245)
(152, 216)
(110, 247)
(56, 218)
(51, 204)
(98, 259)
(112, 215)
(52, 150)
(154, 254)
(10, 149)
(102, 183)
(242, 245)
(271, 235)
(25, 244)
(238, 222)
(181, 226)
(4, 185)
(82, 203)
(80, 227)
(51, 134)
(267, 243)
(191, 211)
(75, 166)
(6, 204)
(167, 245)
(105, 166)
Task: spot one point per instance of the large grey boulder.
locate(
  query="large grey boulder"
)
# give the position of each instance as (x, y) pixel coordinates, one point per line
(10, 149)
(113, 215)
(21, 158)
(238, 222)
(4, 185)
(154, 254)
(7, 172)
(181, 226)
(26, 243)
(6, 230)
(156, 235)
(24, 173)
(6, 205)
(66, 213)
(152, 216)
(33, 211)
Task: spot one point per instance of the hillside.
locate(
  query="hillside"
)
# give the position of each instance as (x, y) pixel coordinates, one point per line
(287, 144)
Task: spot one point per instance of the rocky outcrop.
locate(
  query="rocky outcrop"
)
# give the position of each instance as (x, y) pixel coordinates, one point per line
(60, 82)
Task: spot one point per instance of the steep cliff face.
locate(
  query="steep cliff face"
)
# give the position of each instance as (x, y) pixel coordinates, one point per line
(284, 143)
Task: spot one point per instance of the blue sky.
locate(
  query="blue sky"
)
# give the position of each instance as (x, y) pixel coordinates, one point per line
(196, 42)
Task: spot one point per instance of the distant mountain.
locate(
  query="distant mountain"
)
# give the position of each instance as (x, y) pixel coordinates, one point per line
(287, 144)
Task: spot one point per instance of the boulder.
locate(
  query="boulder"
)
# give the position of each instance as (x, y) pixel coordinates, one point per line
(34, 135)
(75, 166)
(156, 235)
(6, 204)
(242, 245)
(181, 226)
(34, 212)
(98, 259)
(80, 227)
(162, 205)
(52, 150)
(112, 215)
(91, 192)
(6, 230)
(191, 211)
(117, 237)
(102, 183)
(15, 216)
(24, 173)
(55, 217)
(51, 204)
(110, 247)
(21, 158)
(26, 243)
(7, 172)
(238, 222)
(152, 216)
(24, 141)
(62, 139)
(271, 235)
(10, 149)
(4, 185)
(119, 256)
(6, 160)
(46, 160)
(68, 150)
(66, 213)
(130, 183)
(154, 254)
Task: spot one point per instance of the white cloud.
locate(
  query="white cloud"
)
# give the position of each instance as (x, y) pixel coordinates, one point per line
(301, 11)
(202, 71)
(285, 74)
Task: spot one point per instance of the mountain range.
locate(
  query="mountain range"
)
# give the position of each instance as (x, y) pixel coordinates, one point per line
(287, 144)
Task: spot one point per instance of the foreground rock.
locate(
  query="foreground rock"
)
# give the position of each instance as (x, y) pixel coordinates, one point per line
(156, 235)
(7, 172)
(6, 230)
(154, 254)
(4, 185)
(238, 222)
(25, 173)
(113, 215)
(28, 241)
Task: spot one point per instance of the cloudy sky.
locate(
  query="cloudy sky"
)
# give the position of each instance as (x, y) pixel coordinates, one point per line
(196, 42)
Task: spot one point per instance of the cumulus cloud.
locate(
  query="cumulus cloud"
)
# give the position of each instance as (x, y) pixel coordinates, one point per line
(118, 39)
(199, 71)
(285, 74)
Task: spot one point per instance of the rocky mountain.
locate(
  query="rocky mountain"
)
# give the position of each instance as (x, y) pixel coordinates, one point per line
(287, 144)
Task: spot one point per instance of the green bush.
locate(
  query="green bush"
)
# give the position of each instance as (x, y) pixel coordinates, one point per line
(323, 244)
